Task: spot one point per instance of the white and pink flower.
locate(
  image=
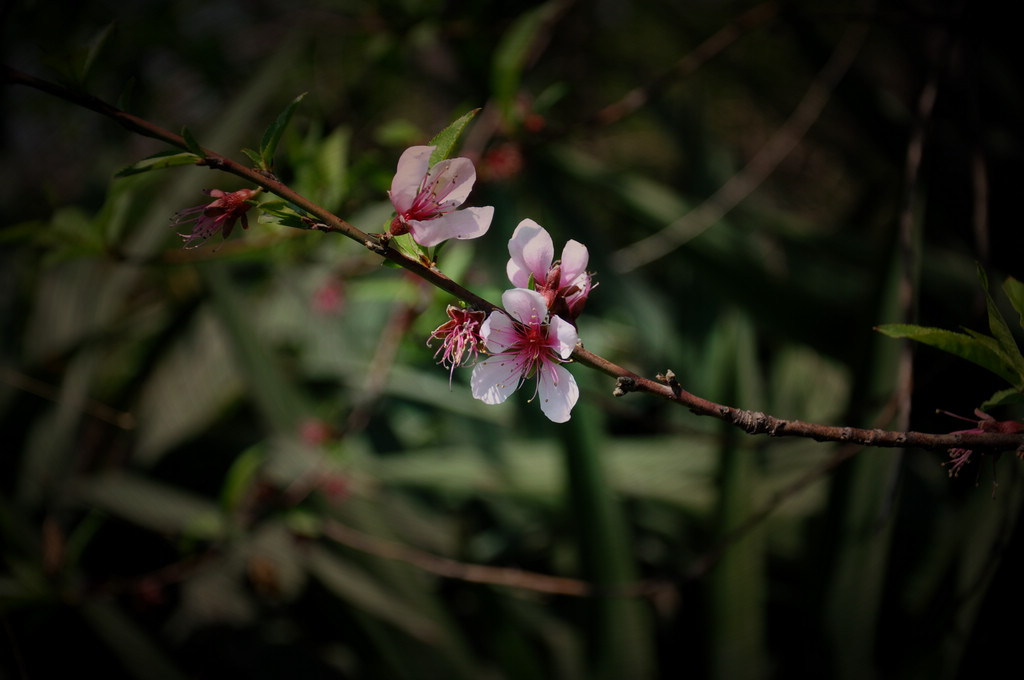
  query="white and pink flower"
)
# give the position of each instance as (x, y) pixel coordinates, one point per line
(565, 283)
(525, 343)
(425, 199)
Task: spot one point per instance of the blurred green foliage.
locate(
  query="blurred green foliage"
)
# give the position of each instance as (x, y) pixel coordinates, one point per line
(189, 438)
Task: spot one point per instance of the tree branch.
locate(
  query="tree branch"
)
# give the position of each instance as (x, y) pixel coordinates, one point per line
(666, 386)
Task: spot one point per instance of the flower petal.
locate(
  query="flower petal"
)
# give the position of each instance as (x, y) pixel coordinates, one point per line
(562, 336)
(525, 305)
(463, 224)
(558, 392)
(412, 168)
(498, 332)
(494, 379)
(452, 180)
(531, 251)
(574, 261)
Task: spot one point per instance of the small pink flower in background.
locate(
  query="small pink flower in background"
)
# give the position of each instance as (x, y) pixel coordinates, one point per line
(329, 298)
(524, 344)
(460, 338)
(565, 284)
(502, 162)
(218, 215)
(426, 199)
(335, 487)
(314, 432)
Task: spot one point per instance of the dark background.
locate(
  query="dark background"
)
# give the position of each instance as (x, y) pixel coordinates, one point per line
(183, 431)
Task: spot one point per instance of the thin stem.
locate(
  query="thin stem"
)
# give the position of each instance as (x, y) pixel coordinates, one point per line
(481, 573)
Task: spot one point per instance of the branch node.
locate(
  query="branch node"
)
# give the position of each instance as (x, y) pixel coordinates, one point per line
(846, 434)
(669, 378)
(753, 422)
(623, 384)
(376, 247)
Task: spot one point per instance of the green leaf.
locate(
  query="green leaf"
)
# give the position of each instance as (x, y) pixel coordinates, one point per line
(124, 100)
(94, 48)
(253, 156)
(1001, 330)
(191, 143)
(271, 138)
(513, 52)
(160, 161)
(241, 476)
(128, 640)
(976, 348)
(283, 213)
(361, 589)
(150, 504)
(1002, 398)
(444, 141)
(1014, 290)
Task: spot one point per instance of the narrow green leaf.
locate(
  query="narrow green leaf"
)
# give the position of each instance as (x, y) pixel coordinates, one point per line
(361, 589)
(619, 627)
(975, 348)
(513, 53)
(160, 161)
(272, 136)
(1001, 330)
(738, 585)
(996, 348)
(241, 476)
(253, 156)
(1014, 290)
(445, 140)
(124, 100)
(128, 640)
(94, 48)
(1002, 398)
(191, 143)
(151, 504)
(283, 213)
(272, 390)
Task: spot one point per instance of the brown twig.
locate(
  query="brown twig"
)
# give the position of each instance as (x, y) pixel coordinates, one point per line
(740, 185)
(480, 573)
(727, 35)
(26, 383)
(754, 422)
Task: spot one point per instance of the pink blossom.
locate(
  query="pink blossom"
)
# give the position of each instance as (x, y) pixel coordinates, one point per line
(460, 338)
(565, 284)
(329, 298)
(218, 215)
(315, 432)
(986, 423)
(523, 344)
(425, 199)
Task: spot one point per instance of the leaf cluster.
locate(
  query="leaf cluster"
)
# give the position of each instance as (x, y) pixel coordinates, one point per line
(998, 352)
